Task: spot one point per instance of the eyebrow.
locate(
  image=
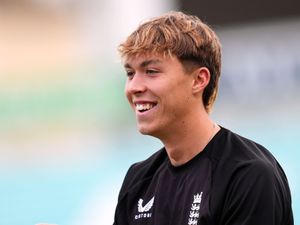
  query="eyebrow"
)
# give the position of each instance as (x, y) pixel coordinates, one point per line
(144, 63)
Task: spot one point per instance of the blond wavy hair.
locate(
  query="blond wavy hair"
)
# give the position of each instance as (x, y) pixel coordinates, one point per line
(193, 42)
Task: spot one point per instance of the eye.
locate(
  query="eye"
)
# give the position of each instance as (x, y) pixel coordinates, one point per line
(151, 71)
(129, 73)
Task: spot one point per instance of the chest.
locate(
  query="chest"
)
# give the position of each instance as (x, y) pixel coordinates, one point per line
(173, 197)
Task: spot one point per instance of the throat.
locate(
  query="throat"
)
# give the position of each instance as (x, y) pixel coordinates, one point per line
(184, 149)
(179, 158)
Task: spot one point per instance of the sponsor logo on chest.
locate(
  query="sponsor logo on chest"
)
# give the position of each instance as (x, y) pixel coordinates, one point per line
(144, 211)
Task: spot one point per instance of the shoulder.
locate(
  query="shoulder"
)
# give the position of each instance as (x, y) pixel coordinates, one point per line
(149, 166)
(235, 154)
(240, 163)
(247, 177)
(237, 159)
(232, 149)
(145, 169)
(257, 190)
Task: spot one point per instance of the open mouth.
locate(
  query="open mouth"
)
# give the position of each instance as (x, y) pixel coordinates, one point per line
(144, 107)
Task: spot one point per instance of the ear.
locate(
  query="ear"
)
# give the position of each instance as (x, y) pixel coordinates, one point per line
(201, 78)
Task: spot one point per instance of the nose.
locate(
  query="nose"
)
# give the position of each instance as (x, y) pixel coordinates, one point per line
(135, 85)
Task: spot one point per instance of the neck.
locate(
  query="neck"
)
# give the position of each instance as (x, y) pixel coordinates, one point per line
(189, 139)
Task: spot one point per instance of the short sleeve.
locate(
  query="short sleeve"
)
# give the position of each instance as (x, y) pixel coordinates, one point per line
(120, 212)
(258, 194)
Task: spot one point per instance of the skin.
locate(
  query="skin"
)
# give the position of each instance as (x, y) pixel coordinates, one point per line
(178, 117)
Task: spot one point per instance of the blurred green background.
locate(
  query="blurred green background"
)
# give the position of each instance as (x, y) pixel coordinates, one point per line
(67, 135)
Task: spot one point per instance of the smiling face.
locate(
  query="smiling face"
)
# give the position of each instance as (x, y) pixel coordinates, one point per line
(160, 92)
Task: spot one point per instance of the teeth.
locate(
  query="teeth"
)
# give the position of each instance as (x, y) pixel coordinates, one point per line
(146, 106)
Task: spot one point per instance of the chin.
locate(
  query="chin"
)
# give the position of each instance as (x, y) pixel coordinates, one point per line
(145, 130)
(149, 131)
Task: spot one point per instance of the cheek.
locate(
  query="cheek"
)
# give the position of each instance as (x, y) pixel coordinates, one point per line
(180, 97)
(126, 92)
(128, 97)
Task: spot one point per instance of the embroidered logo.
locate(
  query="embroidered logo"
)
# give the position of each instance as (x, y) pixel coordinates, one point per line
(195, 208)
(144, 210)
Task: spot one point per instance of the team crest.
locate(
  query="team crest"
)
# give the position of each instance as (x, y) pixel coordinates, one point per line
(195, 208)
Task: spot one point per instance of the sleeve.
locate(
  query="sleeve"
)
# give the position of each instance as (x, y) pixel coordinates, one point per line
(121, 216)
(257, 195)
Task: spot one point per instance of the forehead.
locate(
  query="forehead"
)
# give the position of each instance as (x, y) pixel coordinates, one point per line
(144, 60)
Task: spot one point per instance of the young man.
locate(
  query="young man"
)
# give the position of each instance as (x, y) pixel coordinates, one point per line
(204, 174)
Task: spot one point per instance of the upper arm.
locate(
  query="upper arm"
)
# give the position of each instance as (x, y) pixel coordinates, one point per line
(121, 208)
(256, 195)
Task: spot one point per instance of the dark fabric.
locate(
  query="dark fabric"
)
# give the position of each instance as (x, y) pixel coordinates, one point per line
(233, 181)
